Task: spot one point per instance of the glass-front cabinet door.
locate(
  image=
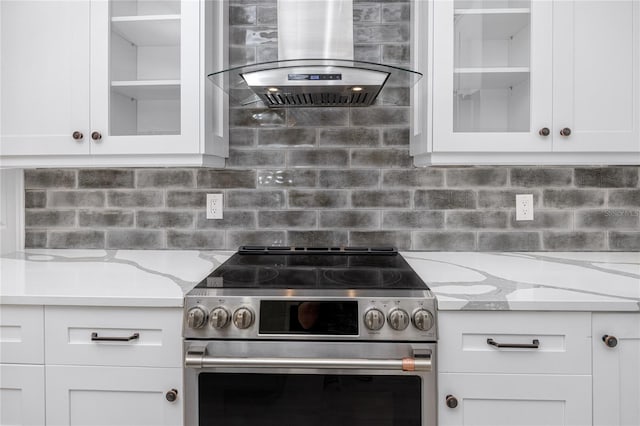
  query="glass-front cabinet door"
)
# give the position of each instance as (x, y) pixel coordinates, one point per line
(492, 75)
(145, 76)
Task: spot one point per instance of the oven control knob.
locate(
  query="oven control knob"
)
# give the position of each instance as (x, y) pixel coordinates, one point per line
(398, 319)
(219, 317)
(243, 318)
(422, 320)
(196, 317)
(373, 319)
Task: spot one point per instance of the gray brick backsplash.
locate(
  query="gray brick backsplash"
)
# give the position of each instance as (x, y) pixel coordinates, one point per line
(413, 178)
(449, 241)
(319, 158)
(477, 219)
(382, 158)
(318, 199)
(164, 178)
(576, 240)
(35, 199)
(381, 198)
(105, 219)
(287, 178)
(81, 239)
(349, 178)
(445, 199)
(219, 179)
(624, 241)
(504, 199)
(133, 239)
(476, 177)
(624, 198)
(396, 137)
(509, 241)
(349, 219)
(413, 220)
(49, 178)
(608, 219)
(138, 198)
(255, 199)
(399, 239)
(232, 219)
(75, 199)
(352, 136)
(163, 219)
(236, 239)
(105, 178)
(195, 239)
(610, 177)
(286, 219)
(49, 218)
(536, 177)
(287, 137)
(317, 238)
(572, 198)
(332, 176)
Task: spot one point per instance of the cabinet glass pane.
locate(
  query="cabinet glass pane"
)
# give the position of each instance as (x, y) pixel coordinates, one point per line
(491, 89)
(145, 67)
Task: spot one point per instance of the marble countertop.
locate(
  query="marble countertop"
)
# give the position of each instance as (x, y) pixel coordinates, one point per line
(544, 281)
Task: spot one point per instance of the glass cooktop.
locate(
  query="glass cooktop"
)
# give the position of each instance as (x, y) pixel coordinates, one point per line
(315, 268)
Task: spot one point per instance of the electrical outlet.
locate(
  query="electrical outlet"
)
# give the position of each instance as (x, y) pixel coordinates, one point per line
(524, 206)
(214, 206)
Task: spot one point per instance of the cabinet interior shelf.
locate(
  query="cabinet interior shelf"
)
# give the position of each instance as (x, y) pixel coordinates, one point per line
(148, 90)
(151, 30)
(489, 78)
(490, 26)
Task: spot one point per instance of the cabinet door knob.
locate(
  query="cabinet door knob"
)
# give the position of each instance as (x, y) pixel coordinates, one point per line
(544, 131)
(77, 135)
(611, 341)
(171, 395)
(451, 401)
(96, 136)
(565, 132)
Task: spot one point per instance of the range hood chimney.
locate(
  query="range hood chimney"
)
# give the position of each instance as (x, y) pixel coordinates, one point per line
(316, 65)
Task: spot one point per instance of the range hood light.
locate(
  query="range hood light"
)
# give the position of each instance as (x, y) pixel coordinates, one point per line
(273, 89)
(356, 89)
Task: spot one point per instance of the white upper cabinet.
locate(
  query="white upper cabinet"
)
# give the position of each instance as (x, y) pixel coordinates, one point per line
(123, 82)
(531, 82)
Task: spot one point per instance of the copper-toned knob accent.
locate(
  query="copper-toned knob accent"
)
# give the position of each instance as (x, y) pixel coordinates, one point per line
(171, 395)
(565, 132)
(96, 136)
(611, 341)
(77, 135)
(451, 401)
(544, 131)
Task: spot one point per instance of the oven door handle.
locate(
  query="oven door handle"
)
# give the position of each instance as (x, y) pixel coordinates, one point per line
(200, 360)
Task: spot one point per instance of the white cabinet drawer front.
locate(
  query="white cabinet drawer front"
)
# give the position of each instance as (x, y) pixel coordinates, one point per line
(563, 340)
(114, 336)
(21, 334)
(21, 394)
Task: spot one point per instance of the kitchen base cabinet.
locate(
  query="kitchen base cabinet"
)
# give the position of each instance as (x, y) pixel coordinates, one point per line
(514, 399)
(616, 369)
(21, 394)
(113, 396)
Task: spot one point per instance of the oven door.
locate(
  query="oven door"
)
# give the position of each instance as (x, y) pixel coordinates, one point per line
(283, 383)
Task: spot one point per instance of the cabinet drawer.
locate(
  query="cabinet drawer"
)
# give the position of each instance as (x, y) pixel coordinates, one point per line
(21, 334)
(149, 337)
(564, 342)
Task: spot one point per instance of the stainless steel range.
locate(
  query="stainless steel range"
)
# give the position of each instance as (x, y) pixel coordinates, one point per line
(311, 336)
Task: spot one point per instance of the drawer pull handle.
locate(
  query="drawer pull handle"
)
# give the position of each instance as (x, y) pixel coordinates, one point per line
(535, 344)
(96, 338)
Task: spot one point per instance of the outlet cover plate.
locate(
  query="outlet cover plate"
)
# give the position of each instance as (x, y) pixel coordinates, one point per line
(524, 207)
(214, 206)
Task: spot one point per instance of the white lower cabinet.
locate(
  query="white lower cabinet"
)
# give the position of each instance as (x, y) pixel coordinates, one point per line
(21, 394)
(616, 369)
(514, 400)
(81, 395)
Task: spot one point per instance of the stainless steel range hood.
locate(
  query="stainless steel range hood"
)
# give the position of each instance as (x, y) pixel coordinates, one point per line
(315, 64)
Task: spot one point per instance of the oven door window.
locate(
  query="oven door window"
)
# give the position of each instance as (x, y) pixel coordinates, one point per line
(309, 400)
